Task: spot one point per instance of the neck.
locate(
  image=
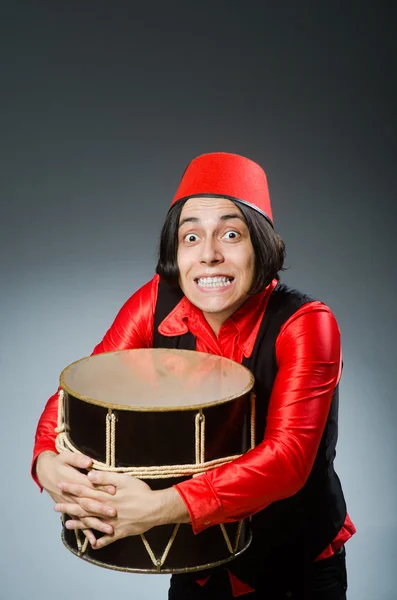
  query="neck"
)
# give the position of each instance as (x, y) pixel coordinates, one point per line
(215, 321)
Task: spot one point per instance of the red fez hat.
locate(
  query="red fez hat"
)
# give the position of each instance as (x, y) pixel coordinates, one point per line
(228, 176)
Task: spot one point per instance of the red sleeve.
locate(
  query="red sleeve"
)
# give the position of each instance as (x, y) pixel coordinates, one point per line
(132, 328)
(309, 365)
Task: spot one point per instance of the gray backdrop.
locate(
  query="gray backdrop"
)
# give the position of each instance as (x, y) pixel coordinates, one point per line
(102, 105)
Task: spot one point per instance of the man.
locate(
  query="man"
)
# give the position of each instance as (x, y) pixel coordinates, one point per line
(217, 287)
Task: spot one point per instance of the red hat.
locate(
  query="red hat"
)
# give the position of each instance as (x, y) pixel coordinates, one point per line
(228, 176)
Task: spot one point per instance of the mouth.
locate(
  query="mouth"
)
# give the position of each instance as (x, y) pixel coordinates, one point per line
(214, 282)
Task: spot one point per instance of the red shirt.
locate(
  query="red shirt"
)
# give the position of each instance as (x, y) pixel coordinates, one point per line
(308, 354)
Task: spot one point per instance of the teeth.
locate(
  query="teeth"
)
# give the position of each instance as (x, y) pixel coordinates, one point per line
(214, 281)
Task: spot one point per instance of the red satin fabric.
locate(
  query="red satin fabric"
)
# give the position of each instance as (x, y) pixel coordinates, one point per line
(309, 366)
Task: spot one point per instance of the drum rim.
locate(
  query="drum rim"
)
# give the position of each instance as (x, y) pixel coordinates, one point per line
(191, 407)
(155, 571)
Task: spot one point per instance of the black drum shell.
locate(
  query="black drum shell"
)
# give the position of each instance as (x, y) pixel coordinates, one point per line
(148, 438)
(158, 438)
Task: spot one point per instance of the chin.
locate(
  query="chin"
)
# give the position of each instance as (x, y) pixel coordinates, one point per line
(213, 308)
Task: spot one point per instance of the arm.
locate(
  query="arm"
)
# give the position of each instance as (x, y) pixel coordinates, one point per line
(132, 328)
(309, 364)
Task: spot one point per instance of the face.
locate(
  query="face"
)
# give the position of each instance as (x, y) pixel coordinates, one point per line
(216, 258)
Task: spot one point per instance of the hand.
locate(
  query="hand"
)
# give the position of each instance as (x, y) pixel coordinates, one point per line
(53, 470)
(138, 507)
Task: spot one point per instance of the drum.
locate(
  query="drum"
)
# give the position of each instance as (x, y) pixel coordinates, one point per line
(163, 416)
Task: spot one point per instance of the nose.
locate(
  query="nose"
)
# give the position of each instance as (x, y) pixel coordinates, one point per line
(211, 252)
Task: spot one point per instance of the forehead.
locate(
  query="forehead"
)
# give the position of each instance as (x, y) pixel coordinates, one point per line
(209, 207)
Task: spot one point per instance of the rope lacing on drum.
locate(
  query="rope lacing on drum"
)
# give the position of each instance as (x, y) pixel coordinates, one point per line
(110, 440)
(158, 563)
(63, 442)
(81, 546)
(253, 419)
(157, 472)
(199, 432)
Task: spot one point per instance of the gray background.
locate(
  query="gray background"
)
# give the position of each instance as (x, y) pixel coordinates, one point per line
(102, 105)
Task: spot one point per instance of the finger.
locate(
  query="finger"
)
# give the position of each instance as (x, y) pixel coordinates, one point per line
(105, 540)
(99, 524)
(82, 491)
(104, 478)
(70, 508)
(90, 536)
(89, 522)
(73, 475)
(93, 507)
(108, 489)
(75, 524)
(80, 461)
(86, 508)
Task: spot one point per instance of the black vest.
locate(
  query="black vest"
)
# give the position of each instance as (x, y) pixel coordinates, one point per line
(297, 528)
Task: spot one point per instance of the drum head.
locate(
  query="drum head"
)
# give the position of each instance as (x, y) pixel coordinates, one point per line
(156, 379)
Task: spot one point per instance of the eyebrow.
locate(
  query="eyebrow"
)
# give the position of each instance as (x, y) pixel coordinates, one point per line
(222, 218)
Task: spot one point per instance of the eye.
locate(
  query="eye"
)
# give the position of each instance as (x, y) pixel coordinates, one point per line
(231, 234)
(190, 237)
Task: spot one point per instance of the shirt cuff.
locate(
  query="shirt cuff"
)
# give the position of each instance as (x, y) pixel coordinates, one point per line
(201, 501)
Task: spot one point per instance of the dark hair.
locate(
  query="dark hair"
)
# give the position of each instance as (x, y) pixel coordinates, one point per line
(268, 247)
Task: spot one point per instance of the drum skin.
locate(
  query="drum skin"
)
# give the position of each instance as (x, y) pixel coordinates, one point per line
(151, 436)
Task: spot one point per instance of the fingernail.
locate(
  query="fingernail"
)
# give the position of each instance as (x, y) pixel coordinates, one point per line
(92, 475)
(108, 529)
(111, 512)
(61, 486)
(57, 507)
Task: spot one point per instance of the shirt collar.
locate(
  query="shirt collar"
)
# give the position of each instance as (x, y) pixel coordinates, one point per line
(245, 321)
